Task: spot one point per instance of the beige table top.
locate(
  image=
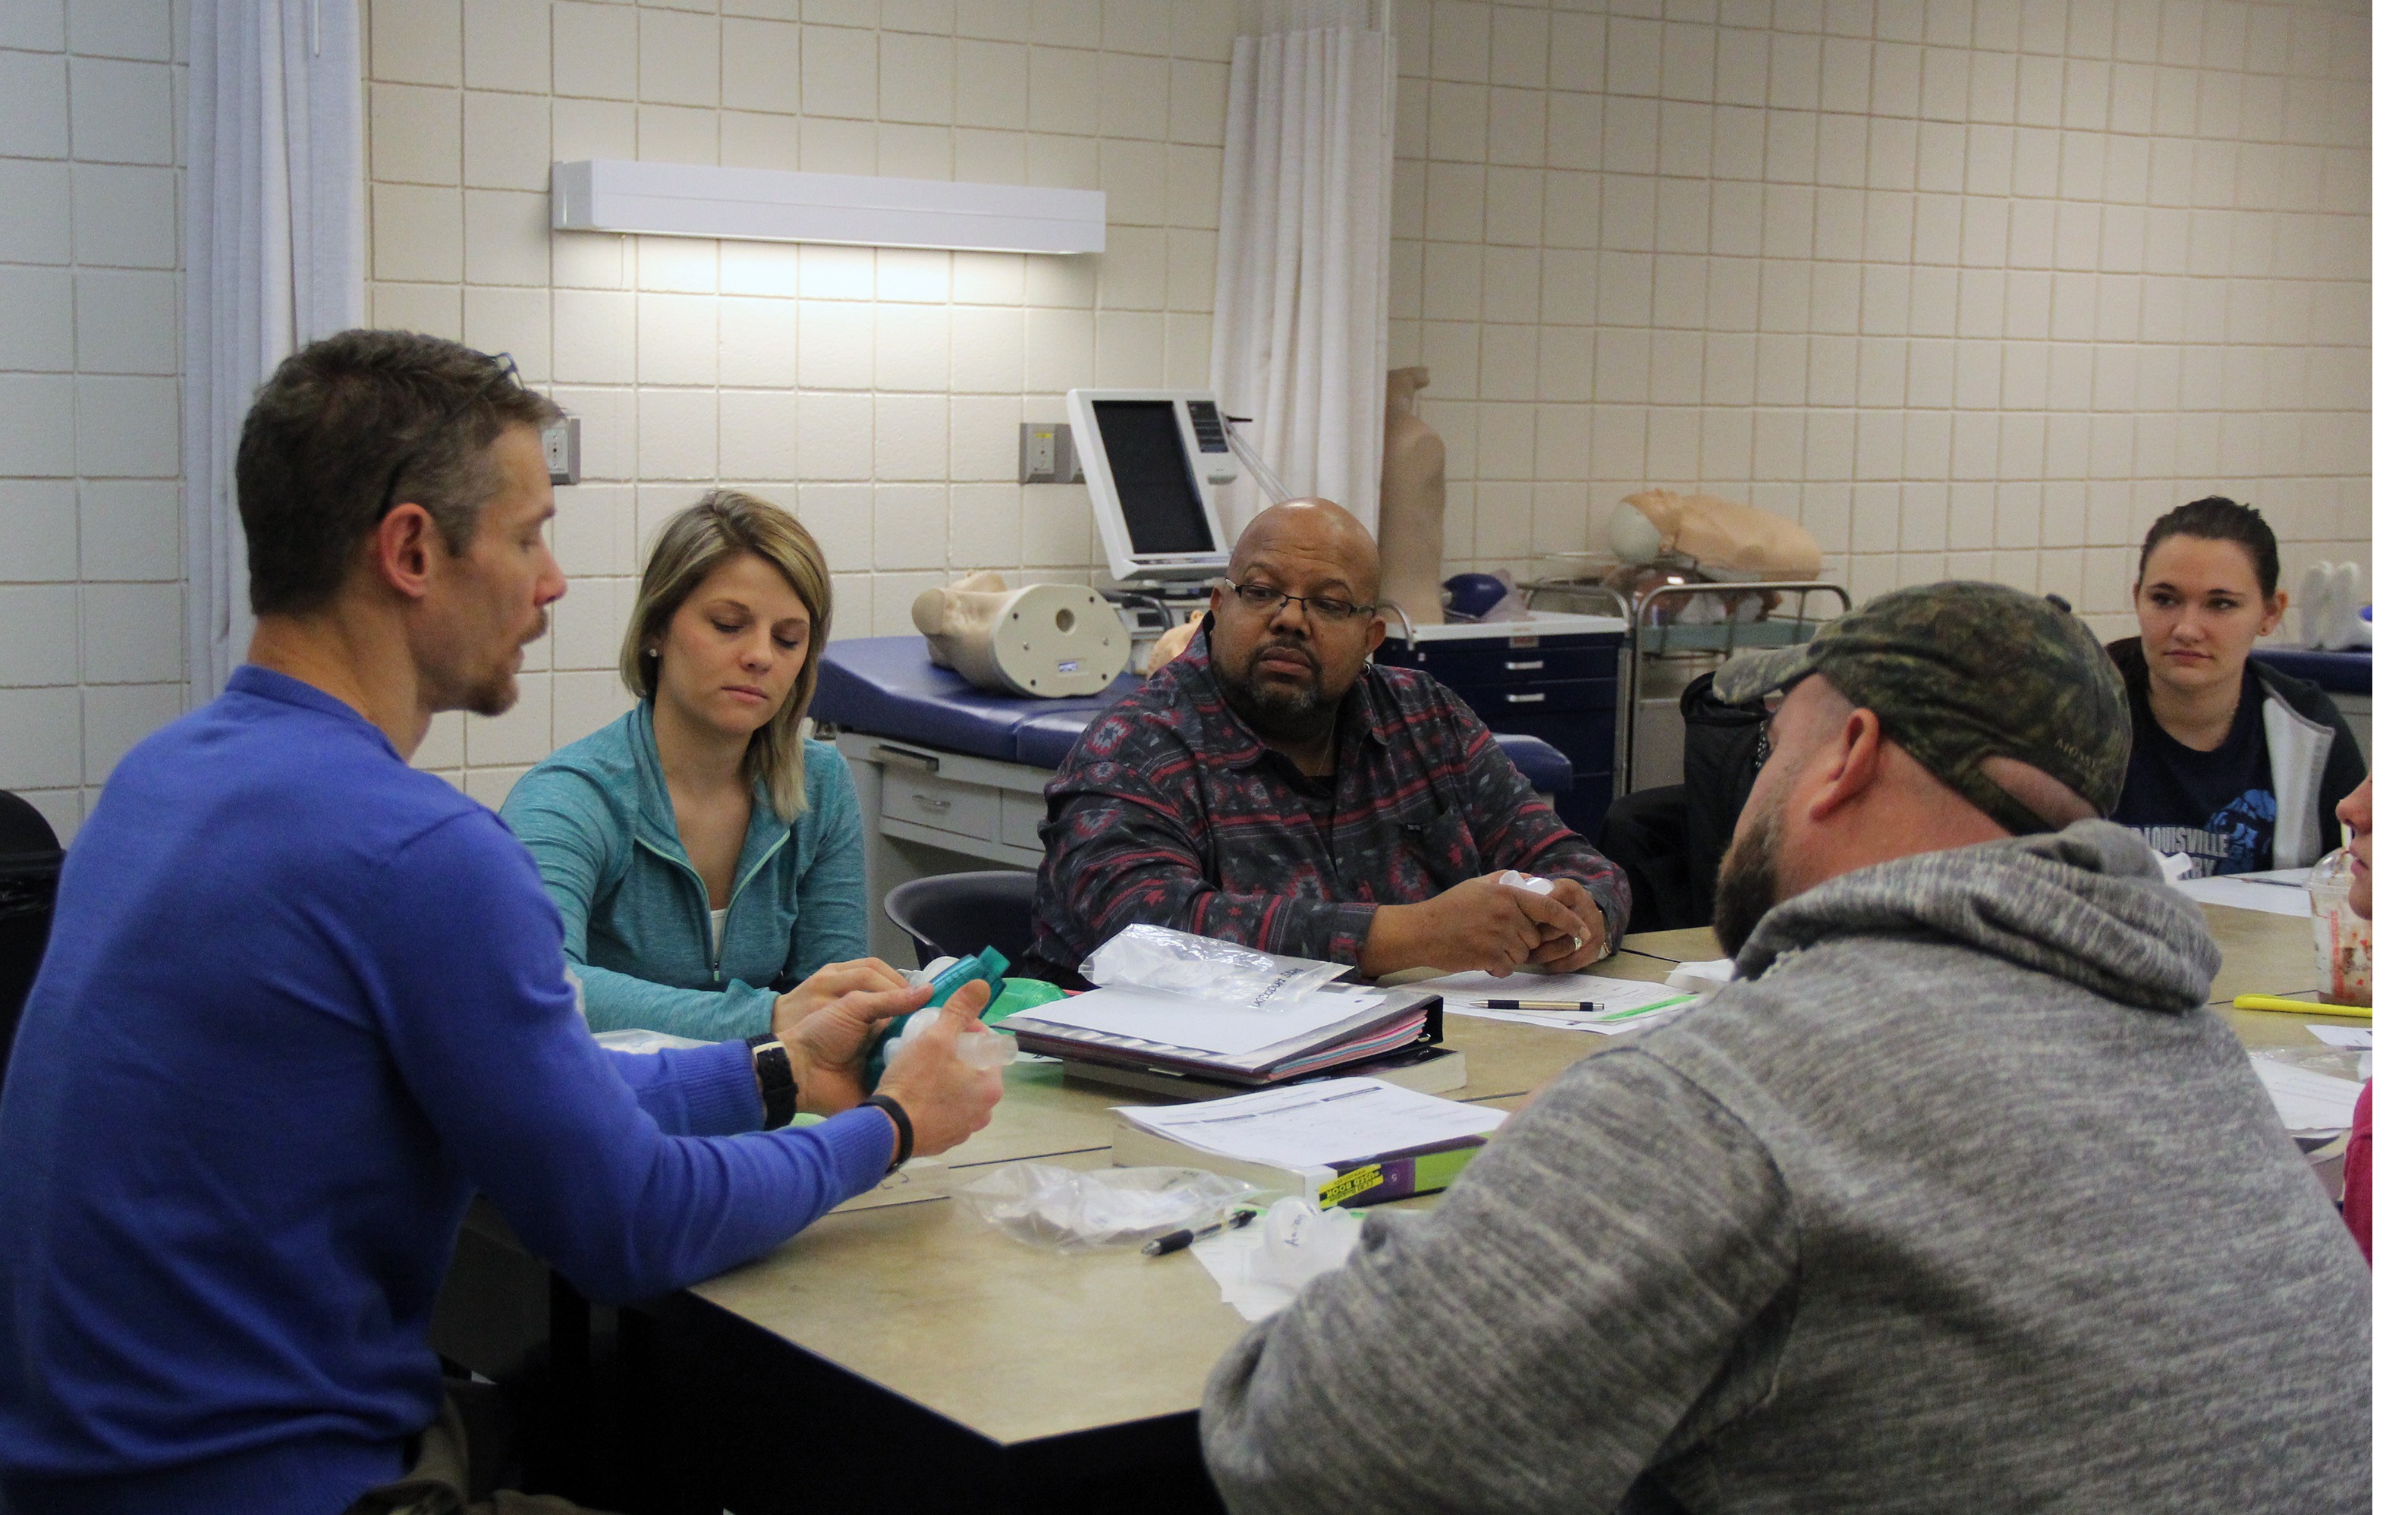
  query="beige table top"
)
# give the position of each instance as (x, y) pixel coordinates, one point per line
(1015, 1343)
(1011, 1341)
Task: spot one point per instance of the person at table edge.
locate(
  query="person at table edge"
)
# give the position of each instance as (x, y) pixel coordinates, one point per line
(706, 857)
(2234, 763)
(1957, 1198)
(1275, 787)
(2357, 1159)
(301, 1000)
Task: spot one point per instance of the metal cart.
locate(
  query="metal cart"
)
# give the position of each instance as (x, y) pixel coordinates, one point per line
(1661, 655)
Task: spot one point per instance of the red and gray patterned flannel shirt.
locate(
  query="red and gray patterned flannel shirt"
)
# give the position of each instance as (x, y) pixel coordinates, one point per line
(1172, 812)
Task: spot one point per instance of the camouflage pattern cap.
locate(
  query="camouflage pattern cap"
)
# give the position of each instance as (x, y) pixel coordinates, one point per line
(1961, 671)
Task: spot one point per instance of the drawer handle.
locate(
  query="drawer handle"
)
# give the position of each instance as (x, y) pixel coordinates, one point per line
(930, 802)
(1525, 668)
(1526, 699)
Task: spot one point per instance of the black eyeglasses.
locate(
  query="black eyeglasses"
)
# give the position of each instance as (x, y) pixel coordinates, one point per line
(1265, 600)
(505, 371)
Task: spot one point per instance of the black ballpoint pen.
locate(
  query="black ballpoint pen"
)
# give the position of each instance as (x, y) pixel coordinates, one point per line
(1181, 1241)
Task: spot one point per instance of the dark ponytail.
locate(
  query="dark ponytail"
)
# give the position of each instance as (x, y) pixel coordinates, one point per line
(2217, 518)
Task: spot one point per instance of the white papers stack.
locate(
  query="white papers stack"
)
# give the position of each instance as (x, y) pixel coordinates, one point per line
(2283, 892)
(1198, 1025)
(1621, 1004)
(1147, 1028)
(1344, 1141)
(2309, 1102)
(1317, 1125)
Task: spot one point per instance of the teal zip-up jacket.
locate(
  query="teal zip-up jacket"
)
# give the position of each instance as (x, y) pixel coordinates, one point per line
(635, 914)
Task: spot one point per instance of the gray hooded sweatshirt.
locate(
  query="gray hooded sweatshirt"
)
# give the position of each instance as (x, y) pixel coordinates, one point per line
(1957, 1200)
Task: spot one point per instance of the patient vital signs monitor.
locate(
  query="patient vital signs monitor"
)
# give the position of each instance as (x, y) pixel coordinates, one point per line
(1153, 458)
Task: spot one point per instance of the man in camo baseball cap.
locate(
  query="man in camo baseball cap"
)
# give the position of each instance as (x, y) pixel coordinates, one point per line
(1962, 672)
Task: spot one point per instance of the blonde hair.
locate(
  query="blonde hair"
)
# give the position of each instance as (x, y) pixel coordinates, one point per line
(723, 524)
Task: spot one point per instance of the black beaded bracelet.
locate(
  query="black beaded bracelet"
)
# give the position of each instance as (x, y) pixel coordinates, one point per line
(893, 1109)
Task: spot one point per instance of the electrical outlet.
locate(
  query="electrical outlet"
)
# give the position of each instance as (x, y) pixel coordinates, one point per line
(561, 448)
(1048, 453)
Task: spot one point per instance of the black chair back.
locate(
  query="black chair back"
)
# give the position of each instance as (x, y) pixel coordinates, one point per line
(1671, 841)
(954, 914)
(29, 885)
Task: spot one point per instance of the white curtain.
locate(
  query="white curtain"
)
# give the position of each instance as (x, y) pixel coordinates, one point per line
(274, 257)
(1301, 307)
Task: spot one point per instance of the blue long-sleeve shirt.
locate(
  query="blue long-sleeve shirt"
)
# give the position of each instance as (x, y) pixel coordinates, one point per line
(299, 1002)
(597, 818)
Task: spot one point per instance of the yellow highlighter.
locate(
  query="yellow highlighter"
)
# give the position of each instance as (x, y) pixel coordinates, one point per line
(2300, 1007)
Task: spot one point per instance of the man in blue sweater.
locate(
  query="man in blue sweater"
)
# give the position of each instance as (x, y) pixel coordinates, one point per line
(301, 1000)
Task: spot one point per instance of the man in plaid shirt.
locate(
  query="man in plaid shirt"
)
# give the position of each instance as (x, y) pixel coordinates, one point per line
(1275, 787)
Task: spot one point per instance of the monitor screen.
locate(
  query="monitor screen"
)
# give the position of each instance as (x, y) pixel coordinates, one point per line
(1149, 463)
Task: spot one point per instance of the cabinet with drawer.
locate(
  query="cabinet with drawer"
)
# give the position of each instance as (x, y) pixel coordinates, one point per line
(1506, 659)
(972, 810)
(1500, 705)
(1556, 679)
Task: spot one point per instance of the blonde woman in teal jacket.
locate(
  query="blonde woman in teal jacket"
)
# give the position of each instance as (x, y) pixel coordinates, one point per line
(707, 859)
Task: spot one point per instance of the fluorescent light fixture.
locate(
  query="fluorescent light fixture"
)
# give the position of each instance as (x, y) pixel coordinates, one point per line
(767, 205)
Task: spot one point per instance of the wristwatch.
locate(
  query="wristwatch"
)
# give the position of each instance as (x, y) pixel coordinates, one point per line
(776, 1075)
(894, 1108)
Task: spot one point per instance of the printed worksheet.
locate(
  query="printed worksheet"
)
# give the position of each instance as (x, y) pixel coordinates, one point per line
(1317, 1125)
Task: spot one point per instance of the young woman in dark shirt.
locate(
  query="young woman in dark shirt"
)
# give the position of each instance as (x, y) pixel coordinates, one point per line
(2233, 763)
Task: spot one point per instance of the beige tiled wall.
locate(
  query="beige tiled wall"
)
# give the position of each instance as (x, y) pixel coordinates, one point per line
(878, 394)
(92, 628)
(1968, 287)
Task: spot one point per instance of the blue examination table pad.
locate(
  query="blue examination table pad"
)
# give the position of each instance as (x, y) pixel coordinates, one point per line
(885, 686)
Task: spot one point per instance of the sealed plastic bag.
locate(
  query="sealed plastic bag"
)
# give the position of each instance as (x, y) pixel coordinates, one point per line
(1178, 963)
(1066, 1210)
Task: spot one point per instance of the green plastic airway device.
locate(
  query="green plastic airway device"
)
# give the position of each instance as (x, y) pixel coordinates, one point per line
(989, 964)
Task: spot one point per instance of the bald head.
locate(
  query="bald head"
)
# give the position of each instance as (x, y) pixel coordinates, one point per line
(1313, 533)
(1286, 666)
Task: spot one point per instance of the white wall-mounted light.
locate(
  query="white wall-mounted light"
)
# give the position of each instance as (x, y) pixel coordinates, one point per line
(602, 194)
